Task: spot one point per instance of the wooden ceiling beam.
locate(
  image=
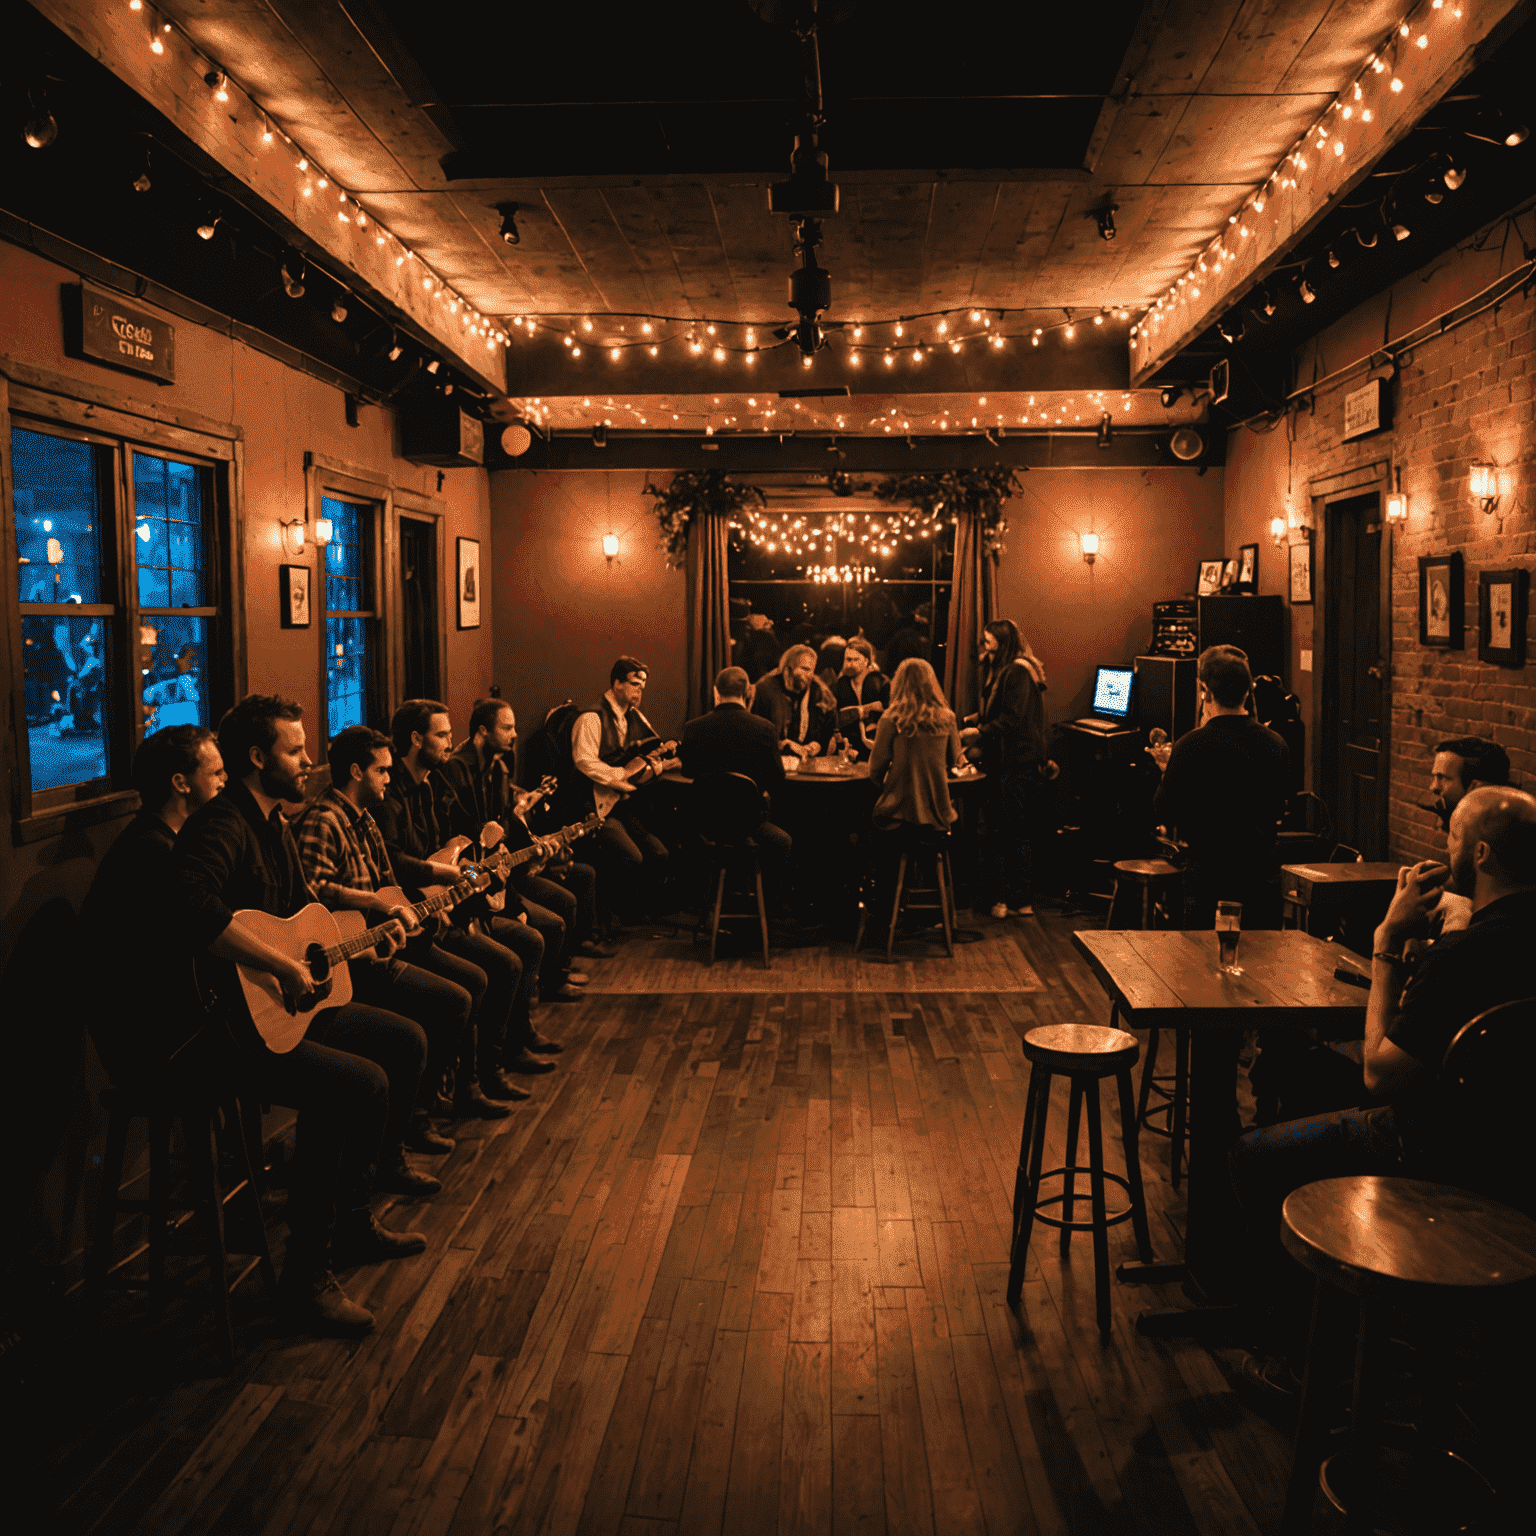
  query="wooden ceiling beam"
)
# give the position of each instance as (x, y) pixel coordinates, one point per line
(1455, 36)
(264, 176)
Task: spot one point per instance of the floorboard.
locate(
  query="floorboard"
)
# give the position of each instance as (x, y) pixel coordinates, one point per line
(740, 1265)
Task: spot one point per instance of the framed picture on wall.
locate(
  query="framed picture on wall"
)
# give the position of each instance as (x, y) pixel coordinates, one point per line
(1210, 578)
(293, 596)
(469, 583)
(1247, 567)
(1440, 602)
(1301, 571)
(1501, 598)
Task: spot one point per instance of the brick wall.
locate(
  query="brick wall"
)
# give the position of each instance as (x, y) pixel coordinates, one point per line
(1460, 397)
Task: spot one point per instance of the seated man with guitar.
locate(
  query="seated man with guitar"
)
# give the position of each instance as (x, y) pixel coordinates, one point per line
(614, 751)
(348, 868)
(491, 810)
(418, 819)
(269, 951)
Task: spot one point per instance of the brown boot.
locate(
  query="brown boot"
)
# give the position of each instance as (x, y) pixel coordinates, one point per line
(313, 1300)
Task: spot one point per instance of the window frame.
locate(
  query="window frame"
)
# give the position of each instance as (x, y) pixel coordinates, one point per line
(35, 399)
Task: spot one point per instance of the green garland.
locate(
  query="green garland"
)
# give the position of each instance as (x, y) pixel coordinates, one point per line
(697, 493)
(981, 492)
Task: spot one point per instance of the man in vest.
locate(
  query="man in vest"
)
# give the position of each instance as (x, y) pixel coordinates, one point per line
(614, 751)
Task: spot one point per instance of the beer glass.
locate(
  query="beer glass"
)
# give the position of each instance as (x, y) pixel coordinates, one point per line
(1229, 928)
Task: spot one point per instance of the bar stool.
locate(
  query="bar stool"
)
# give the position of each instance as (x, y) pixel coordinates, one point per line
(201, 1114)
(1173, 1089)
(919, 851)
(728, 809)
(1085, 1054)
(1151, 877)
(1391, 1243)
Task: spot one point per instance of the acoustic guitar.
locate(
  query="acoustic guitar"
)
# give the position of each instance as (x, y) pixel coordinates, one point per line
(324, 941)
(501, 861)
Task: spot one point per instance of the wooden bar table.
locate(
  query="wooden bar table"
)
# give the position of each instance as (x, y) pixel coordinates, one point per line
(1322, 893)
(1163, 979)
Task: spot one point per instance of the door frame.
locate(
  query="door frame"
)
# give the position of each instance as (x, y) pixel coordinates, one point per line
(418, 507)
(1325, 492)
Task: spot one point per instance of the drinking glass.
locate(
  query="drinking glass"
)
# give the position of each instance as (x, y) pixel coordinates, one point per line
(1229, 929)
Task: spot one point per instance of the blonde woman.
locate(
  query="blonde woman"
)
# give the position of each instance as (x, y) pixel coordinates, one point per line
(916, 747)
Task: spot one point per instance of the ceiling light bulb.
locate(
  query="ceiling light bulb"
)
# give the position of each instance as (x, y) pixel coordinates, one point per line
(975, 316)
(1517, 135)
(1397, 84)
(1306, 291)
(899, 330)
(338, 312)
(156, 46)
(205, 230)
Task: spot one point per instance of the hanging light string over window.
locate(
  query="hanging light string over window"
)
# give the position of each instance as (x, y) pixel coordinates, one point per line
(313, 181)
(1326, 139)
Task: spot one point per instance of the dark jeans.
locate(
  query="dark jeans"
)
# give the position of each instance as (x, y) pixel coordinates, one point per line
(581, 881)
(553, 900)
(441, 1002)
(503, 972)
(525, 942)
(353, 1080)
(1006, 853)
(1268, 1164)
(635, 860)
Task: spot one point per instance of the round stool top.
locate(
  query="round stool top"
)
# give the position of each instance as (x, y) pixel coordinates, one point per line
(1364, 1232)
(1081, 1048)
(1145, 869)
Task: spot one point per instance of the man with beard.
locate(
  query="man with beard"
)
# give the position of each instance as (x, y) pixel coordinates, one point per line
(796, 703)
(138, 1029)
(421, 815)
(1460, 764)
(1412, 1015)
(353, 1076)
(347, 865)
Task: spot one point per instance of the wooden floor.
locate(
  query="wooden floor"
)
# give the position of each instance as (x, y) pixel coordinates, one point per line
(740, 1267)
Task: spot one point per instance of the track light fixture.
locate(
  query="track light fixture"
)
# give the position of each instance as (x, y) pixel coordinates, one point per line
(1401, 231)
(395, 349)
(433, 366)
(1455, 173)
(209, 227)
(141, 182)
(40, 131)
(508, 212)
(293, 278)
(1495, 126)
(1106, 430)
(1269, 304)
(1105, 217)
(338, 312)
(1307, 292)
(600, 434)
(1333, 258)
(217, 83)
(1170, 395)
(1231, 328)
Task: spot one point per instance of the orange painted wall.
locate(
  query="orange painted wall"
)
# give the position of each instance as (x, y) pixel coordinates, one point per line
(563, 613)
(1154, 527)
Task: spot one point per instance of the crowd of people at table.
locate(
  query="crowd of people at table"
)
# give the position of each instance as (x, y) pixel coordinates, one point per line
(446, 1010)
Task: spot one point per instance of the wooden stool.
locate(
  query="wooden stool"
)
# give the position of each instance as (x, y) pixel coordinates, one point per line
(200, 1116)
(1174, 1109)
(1085, 1053)
(722, 855)
(1388, 1242)
(942, 890)
(1151, 875)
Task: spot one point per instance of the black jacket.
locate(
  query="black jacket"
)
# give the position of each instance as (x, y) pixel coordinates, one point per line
(1012, 721)
(774, 704)
(729, 739)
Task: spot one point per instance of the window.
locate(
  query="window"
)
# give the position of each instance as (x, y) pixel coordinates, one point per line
(350, 614)
(843, 586)
(117, 590)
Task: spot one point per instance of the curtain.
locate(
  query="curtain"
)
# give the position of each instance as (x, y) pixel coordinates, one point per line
(972, 604)
(709, 609)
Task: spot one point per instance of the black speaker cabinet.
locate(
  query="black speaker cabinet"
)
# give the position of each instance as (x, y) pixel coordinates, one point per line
(438, 432)
(1165, 693)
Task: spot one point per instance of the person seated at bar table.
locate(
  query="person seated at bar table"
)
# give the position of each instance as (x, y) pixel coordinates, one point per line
(917, 747)
(797, 704)
(864, 688)
(1412, 1015)
(1460, 764)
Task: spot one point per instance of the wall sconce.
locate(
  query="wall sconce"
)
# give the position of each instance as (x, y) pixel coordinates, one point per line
(1397, 504)
(1278, 532)
(610, 546)
(1484, 486)
(1090, 542)
(293, 536)
(324, 529)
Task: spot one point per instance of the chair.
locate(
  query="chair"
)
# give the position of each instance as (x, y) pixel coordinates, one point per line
(728, 808)
(920, 846)
(1085, 1054)
(1151, 877)
(203, 1112)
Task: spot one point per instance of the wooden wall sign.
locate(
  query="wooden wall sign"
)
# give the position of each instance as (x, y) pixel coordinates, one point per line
(1365, 410)
(123, 336)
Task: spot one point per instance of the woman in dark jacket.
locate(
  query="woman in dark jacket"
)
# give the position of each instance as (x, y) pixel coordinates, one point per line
(1008, 742)
(863, 691)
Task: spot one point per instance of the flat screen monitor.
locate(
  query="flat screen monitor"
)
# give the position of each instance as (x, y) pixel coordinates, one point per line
(1112, 692)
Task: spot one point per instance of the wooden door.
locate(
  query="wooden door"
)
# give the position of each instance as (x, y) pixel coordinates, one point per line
(1355, 695)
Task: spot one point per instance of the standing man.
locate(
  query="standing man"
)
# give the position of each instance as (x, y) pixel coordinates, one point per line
(353, 1076)
(347, 865)
(614, 751)
(1224, 786)
(796, 703)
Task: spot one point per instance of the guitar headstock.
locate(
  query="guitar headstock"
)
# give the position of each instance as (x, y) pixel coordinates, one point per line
(547, 785)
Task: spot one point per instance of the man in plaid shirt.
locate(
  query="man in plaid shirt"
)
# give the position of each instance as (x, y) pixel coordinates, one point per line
(348, 869)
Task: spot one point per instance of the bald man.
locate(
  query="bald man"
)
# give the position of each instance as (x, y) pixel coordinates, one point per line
(1413, 1014)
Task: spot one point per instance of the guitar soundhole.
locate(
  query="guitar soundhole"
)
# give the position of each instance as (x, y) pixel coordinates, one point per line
(319, 966)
